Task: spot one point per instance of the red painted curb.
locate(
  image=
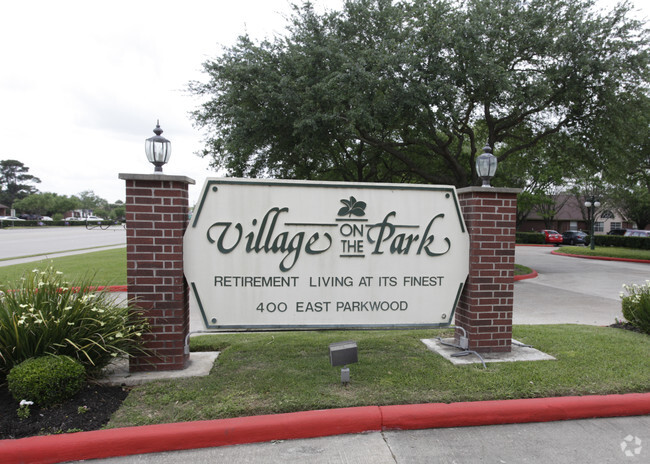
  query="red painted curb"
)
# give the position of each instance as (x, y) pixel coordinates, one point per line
(426, 416)
(188, 435)
(532, 275)
(193, 435)
(115, 288)
(602, 258)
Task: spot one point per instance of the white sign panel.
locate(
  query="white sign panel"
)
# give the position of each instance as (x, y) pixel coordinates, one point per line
(278, 254)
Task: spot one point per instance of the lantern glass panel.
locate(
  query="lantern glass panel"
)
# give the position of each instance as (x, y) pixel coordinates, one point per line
(486, 165)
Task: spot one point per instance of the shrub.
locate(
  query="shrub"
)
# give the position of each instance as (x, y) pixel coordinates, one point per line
(46, 380)
(639, 243)
(46, 315)
(636, 306)
(529, 237)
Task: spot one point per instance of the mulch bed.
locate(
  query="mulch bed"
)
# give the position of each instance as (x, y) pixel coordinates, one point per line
(100, 403)
(626, 326)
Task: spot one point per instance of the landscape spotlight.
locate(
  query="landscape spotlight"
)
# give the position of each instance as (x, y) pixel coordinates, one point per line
(158, 149)
(342, 354)
(486, 165)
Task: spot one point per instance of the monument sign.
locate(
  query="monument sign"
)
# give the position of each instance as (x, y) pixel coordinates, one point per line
(265, 254)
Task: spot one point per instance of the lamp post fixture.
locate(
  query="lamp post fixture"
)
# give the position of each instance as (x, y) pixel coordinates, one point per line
(486, 165)
(158, 149)
(591, 205)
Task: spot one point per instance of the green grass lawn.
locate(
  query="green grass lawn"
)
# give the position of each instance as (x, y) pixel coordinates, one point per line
(108, 267)
(522, 270)
(267, 373)
(610, 252)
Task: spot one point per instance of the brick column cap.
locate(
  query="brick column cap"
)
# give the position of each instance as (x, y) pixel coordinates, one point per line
(157, 177)
(488, 190)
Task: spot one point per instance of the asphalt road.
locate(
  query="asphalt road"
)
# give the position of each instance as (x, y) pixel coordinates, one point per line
(572, 290)
(47, 241)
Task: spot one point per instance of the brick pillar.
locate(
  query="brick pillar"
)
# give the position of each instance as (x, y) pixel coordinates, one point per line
(485, 306)
(156, 219)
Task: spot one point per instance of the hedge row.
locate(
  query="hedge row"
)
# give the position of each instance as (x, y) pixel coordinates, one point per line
(529, 237)
(638, 243)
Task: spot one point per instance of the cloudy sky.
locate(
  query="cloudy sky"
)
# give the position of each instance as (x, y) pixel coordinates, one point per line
(82, 82)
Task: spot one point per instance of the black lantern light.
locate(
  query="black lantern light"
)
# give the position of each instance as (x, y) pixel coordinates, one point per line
(486, 165)
(158, 149)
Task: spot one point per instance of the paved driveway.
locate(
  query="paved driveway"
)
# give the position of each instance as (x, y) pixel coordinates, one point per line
(572, 290)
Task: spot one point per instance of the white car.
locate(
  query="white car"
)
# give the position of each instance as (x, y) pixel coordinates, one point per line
(94, 218)
(10, 218)
(45, 218)
(637, 233)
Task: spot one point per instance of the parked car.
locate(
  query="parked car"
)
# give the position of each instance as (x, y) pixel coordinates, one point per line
(552, 236)
(617, 232)
(94, 218)
(637, 233)
(10, 218)
(46, 218)
(574, 237)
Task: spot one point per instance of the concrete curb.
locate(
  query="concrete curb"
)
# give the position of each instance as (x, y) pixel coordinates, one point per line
(532, 275)
(602, 258)
(309, 424)
(115, 288)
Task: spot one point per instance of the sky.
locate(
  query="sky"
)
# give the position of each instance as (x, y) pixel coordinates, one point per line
(83, 82)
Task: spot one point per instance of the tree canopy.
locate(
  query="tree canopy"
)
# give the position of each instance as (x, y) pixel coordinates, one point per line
(15, 182)
(412, 90)
(47, 203)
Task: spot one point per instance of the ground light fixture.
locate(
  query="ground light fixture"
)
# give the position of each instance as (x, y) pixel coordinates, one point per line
(158, 149)
(342, 354)
(486, 165)
(591, 204)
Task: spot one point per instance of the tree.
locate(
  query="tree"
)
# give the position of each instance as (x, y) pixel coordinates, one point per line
(90, 201)
(15, 182)
(412, 90)
(540, 174)
(551, 205)
(588, 185)
(630, 147)
(634, 205)
(47, 204)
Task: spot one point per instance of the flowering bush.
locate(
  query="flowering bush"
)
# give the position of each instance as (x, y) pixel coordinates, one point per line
(636, 306)
(43, 314)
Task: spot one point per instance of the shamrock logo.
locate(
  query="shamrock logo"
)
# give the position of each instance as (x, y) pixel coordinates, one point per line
(352, 207)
